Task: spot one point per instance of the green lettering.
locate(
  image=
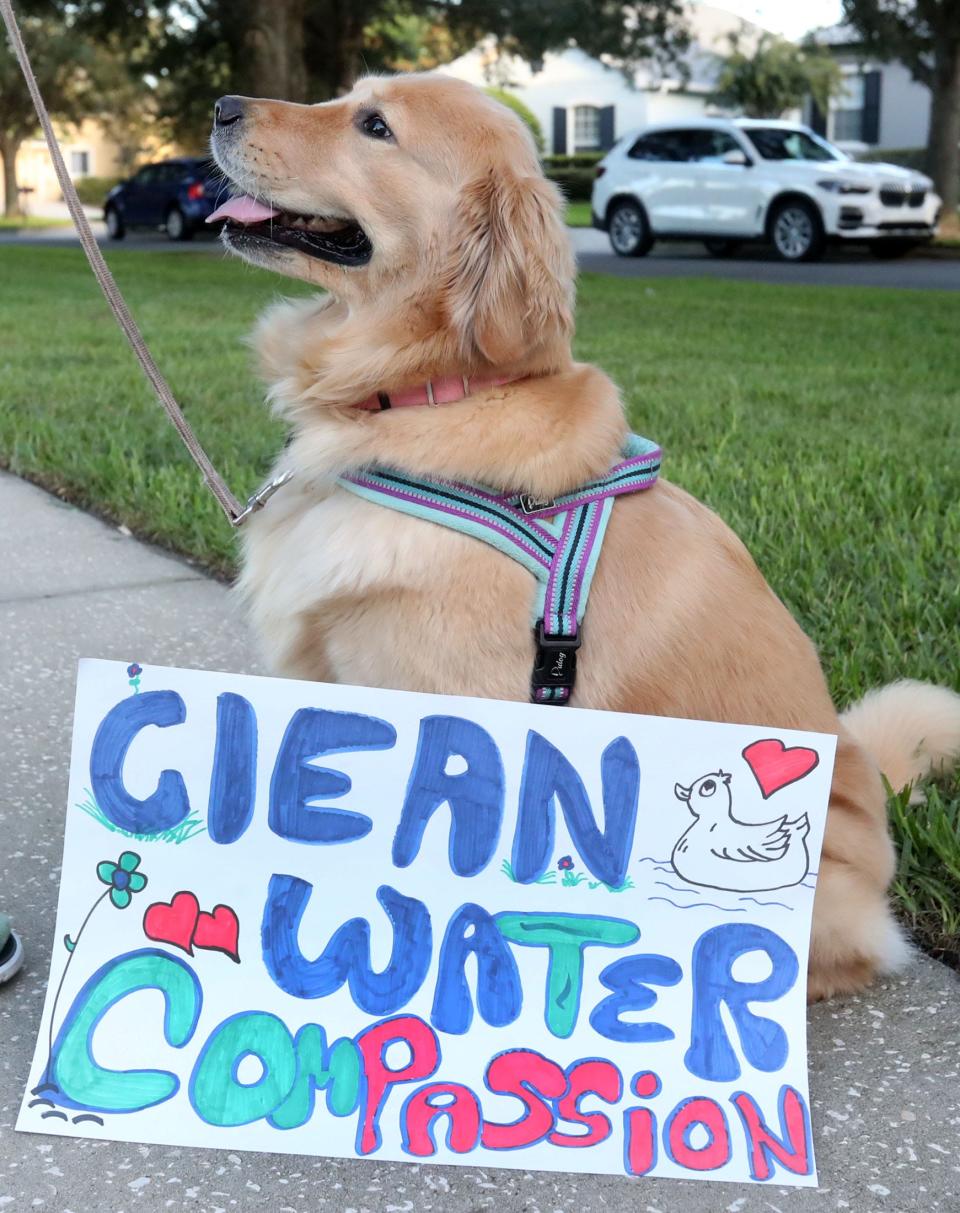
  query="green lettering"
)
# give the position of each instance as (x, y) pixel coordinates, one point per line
(87, 1084)
(216, 1093)
(566, 935)
(335, 1069)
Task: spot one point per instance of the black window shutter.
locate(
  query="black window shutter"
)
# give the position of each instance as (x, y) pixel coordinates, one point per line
(871, 108)
(607, 137)
(559, 131)
(818, 119)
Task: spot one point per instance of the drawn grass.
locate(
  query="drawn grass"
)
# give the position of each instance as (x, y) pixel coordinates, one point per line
(189, 828)
(570, 879)
(507, 869)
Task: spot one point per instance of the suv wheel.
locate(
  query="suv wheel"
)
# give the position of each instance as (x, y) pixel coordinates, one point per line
(176, 226)
(629, 231)
(797, 232)
(115, 228)
(718, 247)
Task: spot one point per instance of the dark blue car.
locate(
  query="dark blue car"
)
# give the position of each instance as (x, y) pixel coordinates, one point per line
(176, 195)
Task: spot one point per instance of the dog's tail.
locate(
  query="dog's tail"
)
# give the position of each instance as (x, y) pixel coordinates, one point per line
(911, 729)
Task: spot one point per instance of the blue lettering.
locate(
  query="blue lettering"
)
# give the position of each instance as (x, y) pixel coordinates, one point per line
(311, 733)
(547, 773)
(475, 795)
(499, 993)
(347, 955)
(764, 1042)
(168, 805)
(233, 784)
(630, 980)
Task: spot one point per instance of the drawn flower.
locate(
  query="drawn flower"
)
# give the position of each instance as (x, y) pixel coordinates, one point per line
(134, 671)
(123, 878)
(564, 863)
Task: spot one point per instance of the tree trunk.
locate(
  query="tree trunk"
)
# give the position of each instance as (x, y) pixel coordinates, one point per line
(275, 40)
(9, 146)
(944, 141)
(342, 60)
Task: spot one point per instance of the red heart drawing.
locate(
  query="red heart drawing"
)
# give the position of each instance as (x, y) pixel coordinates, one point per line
(174, 921)
(775, 766)
(218, 932)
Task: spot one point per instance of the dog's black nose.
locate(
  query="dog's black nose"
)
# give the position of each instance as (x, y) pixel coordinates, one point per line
(227, 111)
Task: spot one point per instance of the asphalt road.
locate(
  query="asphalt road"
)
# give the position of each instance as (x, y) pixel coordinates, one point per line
(923, 270)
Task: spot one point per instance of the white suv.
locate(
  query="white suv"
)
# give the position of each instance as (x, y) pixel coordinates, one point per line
(726, 182)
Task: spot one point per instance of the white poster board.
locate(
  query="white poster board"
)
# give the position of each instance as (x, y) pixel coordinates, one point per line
(341, 921)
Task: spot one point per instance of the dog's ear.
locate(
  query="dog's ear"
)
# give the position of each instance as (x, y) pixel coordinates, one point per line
(509, 282)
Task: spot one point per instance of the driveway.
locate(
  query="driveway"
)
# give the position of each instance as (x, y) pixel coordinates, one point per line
(923, 270)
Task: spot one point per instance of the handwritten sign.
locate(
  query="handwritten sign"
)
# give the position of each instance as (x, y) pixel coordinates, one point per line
(341, 921)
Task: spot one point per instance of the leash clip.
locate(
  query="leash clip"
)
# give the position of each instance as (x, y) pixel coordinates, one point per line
(555, 663)
(262, 496)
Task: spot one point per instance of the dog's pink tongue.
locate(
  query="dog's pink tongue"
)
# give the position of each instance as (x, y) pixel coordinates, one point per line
(243, 210)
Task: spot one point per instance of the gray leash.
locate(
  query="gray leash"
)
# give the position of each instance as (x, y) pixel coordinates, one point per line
(235, 512)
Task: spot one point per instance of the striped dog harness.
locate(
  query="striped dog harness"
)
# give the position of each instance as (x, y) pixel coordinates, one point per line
(559, 541)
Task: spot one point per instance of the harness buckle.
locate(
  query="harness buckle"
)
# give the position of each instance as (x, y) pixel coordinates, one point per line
(533, 505)
(555, 663)
(262, 496)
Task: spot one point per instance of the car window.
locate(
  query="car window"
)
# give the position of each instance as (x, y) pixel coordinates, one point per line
(171, 172)
(148, 175)
(660, 145)
(712, 146)
(691, 146)
(782, 143)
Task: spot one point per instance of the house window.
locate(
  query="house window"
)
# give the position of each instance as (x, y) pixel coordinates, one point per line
(79, 164)
(586, 128)
(848, 112)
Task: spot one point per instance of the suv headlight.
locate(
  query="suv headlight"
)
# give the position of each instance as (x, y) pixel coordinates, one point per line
(832, 186)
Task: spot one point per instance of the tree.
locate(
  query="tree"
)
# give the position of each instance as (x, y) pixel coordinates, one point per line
(924, 35)
(622, 32)
(402, 38)
(61, 63)
(775, 76)
(314, 49)
(523, 112)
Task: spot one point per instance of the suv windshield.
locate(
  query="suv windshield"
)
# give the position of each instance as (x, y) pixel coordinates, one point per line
(782, 143)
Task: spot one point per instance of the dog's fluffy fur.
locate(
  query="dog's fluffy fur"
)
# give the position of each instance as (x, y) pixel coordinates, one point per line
(472, 274)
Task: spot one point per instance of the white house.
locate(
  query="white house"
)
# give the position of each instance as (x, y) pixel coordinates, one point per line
(586, 104)
(881, 105)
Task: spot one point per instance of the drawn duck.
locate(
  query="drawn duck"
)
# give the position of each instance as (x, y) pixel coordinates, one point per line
(720, 852)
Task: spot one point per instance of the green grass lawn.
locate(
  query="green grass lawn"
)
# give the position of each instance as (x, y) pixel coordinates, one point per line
(578, 214)
(822, 423)
(17, 222)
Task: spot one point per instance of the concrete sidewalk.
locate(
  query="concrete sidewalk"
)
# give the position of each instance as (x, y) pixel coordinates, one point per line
(885, 1068)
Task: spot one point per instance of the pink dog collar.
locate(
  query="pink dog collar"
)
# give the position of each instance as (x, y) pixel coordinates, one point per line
(446, 390)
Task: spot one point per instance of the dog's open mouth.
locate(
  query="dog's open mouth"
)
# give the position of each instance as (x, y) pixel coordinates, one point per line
(342, 241)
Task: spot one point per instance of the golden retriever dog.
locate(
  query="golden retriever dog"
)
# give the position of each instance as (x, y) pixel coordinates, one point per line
(417, 206)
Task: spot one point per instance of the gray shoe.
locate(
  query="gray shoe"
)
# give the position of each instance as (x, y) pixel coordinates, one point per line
(11, 950)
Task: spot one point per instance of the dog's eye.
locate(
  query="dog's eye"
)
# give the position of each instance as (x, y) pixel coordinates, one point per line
(708, 788)
(374, 126)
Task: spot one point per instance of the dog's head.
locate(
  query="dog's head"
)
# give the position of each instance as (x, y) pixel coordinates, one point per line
(416, 197)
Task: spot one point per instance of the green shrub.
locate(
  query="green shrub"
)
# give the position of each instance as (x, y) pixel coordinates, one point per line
(93, 190)
(576, 183)
(576, 160)
(908, 157)
(527, 116)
